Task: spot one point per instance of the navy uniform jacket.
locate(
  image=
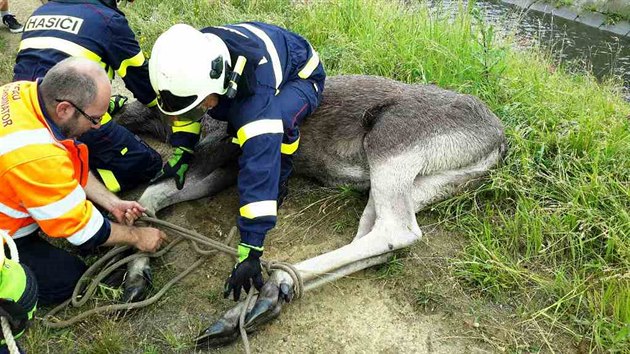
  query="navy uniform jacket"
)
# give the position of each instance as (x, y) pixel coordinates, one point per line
(89, 29)
(275, 57)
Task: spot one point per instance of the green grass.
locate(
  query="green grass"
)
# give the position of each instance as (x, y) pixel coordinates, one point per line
(551, 227)
(559, 3)
(392, 269)
(6, 61)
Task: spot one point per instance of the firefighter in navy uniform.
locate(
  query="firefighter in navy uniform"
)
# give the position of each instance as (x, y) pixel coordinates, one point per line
(263, 80)
(97, 30)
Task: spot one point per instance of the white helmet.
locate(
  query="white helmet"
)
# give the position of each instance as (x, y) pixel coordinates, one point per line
(185, 67)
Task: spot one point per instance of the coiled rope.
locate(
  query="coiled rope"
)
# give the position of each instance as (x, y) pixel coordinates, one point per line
(80, 297)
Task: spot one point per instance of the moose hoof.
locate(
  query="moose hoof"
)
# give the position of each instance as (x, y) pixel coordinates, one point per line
(269, 304)
(218, 334)
(137, 285)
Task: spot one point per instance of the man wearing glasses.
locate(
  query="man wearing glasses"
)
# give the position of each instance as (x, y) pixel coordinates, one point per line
(96, 30)
(46, 183)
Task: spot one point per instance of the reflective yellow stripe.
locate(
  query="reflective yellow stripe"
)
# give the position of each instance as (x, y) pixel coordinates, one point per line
(257, 209)
(152, 103)
(106, 118)
(289, 149)
(124, 151)
(310, 66)
(59, 44)
(110, 71)
(259, 127)
(70, 48)
(188, 127)
(109, 180)
(136, 60)
(235, 141)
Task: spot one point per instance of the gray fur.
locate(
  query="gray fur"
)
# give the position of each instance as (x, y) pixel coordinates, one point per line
(363, 121)
(372, 116)
(142, 120)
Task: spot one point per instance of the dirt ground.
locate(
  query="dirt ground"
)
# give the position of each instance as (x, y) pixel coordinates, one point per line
(411, 305)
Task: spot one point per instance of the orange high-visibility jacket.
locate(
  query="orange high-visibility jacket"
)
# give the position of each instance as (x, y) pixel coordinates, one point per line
(41, 177)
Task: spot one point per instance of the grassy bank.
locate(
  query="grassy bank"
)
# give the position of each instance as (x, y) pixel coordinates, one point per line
(551, 229)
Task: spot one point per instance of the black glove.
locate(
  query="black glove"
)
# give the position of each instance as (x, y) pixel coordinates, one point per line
(176, 167)
(15, 313)
(116, 103)
(245, 272)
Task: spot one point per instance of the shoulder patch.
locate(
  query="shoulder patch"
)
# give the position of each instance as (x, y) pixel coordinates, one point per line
(68, 24)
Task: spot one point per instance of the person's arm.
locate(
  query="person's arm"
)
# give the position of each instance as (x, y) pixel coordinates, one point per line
(184, 137)
(124, 54)
(259, 133)
(53, 197)
(124, 211)
(146, 239)
(98, 193)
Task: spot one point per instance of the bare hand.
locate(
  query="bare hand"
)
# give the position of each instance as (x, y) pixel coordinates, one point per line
(127, 212)
(148, 239)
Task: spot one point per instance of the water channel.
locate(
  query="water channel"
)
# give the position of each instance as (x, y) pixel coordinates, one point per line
(572, 43)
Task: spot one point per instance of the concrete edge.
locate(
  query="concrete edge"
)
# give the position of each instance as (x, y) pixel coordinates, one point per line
(592, 19)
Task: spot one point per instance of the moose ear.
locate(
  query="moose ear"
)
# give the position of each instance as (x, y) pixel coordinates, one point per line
(216, 68)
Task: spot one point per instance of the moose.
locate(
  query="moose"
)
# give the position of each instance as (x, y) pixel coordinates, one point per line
(407, 145)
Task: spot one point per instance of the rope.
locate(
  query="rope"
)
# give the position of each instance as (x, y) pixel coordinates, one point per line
(8, 336)
(5, 237)
(298, 282)
(241, 321)
(191, 235)
(80, 297)
(6, 327)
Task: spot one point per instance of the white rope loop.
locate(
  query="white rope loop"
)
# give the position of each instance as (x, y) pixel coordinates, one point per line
(8, 336)
(6, 238)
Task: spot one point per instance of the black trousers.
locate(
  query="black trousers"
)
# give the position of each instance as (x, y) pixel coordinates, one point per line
(115, 149)
(56, 270)
(5, 350)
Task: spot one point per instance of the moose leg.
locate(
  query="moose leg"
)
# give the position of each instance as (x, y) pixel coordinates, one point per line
(428, 190)
(163, 194)
(367, 218)
(394, 227)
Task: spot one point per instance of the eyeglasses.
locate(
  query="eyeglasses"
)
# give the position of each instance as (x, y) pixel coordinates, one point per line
(93, 120)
